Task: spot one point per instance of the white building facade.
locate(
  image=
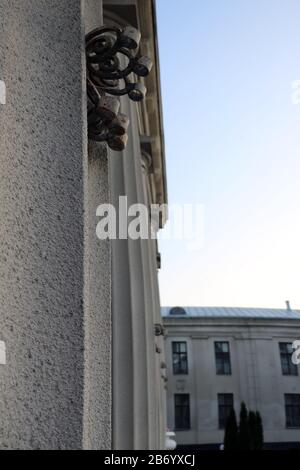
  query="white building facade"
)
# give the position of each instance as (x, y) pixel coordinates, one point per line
(219, 357)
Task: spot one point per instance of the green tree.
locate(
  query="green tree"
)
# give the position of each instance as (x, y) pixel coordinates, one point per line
(231, 432)
(243, 435)
(252, 425)
(259, 432)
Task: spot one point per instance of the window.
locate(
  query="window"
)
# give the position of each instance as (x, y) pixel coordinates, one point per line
(180, 364)
(182, 411)
(177, 311)
(222, 358)
(286, 352)
(292, 410)
(225, 401)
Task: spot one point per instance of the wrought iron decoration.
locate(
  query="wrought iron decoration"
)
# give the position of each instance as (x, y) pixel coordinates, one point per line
(159, 330)
(107, 80)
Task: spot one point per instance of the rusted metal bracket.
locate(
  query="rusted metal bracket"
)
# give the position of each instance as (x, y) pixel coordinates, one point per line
(107, 49)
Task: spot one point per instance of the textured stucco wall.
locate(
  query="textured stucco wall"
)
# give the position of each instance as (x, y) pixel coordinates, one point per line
(48, 308)
(41, 210)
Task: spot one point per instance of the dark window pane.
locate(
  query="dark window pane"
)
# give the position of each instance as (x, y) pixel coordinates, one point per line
(183, 363)
(282, 347)
(219, 366)
(287, 366)
(180, 360)
(222, 353)
(292, 409)
(225, 402)
(182, 411)
(221, 399)
(228, 399)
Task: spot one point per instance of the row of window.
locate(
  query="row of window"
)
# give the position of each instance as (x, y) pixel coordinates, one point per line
(223, 361)
(225, 405)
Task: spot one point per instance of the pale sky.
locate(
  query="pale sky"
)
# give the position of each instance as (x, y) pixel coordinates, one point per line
(232, 144)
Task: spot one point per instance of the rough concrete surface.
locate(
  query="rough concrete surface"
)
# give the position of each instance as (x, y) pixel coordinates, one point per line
(42, 225)
(98, 340)
(97, 416)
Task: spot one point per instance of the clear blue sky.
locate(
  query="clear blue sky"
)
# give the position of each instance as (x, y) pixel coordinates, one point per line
(233, 144)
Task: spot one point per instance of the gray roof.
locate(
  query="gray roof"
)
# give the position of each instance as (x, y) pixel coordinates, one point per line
(228, 312)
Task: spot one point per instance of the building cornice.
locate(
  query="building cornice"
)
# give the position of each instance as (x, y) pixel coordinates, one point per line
(182, 323)
(143, 16)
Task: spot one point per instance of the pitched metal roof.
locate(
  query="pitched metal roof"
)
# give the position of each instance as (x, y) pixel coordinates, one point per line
(228, 312)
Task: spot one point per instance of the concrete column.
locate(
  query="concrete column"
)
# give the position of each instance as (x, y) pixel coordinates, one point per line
(98, 401)
(97, 416)
(123, 352)
(130, 375)
(134, 302)
(47, 303)
(157, 412)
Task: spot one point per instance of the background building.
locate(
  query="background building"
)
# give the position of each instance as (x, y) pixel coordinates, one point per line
(83, 365)
(219, 357)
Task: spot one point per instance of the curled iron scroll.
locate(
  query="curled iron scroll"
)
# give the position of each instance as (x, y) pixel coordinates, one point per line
(108, 79)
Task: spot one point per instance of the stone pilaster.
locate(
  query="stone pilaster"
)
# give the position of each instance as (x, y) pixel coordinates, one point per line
(49, 304)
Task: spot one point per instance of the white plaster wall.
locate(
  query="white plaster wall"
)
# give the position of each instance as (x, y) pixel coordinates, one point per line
(256, 375)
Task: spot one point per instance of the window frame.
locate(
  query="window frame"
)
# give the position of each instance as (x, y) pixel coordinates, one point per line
(292, 369)
(186, 423)
(224, 357)
(224, 406)
(289, 413)
(180, 354)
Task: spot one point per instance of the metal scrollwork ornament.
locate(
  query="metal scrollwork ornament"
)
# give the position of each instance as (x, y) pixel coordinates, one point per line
(107, 48)
(159, 330)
